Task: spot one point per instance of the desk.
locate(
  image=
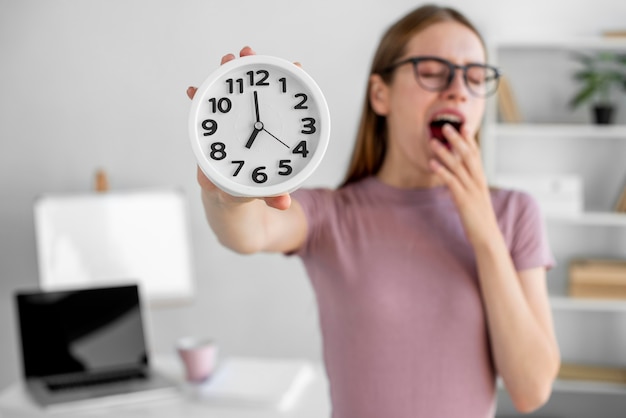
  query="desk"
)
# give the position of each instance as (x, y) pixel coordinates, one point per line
(312, 403)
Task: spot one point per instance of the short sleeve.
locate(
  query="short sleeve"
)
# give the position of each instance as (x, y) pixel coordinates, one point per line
(315, 204)
(530, 247)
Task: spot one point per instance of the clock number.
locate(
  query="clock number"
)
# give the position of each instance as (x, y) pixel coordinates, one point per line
(303, 100)
(301, 149)
(210, 126)
(218, 151)
(284, 164)
(262, 82)
(283, 84)
(258, 176)
(309, 126)
(223, 105)
(239, 166)
(231, 85)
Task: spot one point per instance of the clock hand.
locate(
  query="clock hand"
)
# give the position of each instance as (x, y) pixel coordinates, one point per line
(256, 107)
(258, 127)
(272, 135)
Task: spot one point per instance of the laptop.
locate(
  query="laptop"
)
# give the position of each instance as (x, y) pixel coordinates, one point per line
(86, 347)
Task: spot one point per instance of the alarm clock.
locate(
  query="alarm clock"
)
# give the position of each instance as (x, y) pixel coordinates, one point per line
(259, 126)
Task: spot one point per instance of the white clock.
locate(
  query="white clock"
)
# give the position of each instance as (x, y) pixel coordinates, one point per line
(259, 126)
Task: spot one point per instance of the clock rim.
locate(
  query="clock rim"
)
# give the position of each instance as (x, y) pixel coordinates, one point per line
(290, 184)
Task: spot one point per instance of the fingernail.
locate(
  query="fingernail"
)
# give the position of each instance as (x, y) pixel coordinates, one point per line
(247, 47)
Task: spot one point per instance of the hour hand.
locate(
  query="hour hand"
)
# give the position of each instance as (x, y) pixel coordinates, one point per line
(258, 127)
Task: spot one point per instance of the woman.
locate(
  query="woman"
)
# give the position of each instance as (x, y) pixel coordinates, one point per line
(429, 283)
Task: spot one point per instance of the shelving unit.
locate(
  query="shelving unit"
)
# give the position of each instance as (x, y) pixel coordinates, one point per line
(553, 139)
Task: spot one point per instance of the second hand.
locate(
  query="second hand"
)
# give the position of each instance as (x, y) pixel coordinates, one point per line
(273, 136)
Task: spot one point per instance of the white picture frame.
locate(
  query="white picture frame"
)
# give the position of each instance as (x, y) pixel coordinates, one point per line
(96, 239)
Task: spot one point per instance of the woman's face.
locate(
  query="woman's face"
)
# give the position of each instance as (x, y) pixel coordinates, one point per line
(410, 109)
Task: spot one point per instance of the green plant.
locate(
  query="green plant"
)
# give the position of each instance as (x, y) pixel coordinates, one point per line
(600, 74)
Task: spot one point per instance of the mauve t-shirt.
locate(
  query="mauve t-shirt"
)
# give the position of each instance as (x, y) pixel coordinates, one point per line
(403, 325)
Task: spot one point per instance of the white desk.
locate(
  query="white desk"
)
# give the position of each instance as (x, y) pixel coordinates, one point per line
(313, 403)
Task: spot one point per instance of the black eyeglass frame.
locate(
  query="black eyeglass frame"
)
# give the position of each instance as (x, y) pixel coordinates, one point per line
(453, 67)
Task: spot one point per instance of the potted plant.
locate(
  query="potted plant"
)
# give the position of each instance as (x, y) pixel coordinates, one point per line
(601, 73)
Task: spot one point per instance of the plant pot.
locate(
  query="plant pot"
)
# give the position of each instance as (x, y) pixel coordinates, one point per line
(603, 114)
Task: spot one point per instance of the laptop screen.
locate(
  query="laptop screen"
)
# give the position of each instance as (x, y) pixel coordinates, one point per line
(84, 330)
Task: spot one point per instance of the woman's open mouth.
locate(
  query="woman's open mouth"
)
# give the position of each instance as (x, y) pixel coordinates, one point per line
(436, 127)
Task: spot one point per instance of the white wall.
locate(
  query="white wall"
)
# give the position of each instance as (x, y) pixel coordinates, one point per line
(90, 84)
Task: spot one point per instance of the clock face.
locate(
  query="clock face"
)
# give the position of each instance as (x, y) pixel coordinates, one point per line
(259, 126)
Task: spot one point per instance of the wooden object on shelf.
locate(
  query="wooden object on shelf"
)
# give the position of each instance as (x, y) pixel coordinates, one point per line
(101, 182)
(507, 106)
(597, 278)
(572, 371)
(620, 204)
(618, 33)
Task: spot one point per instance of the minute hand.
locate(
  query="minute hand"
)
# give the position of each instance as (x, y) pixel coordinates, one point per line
(256, 106)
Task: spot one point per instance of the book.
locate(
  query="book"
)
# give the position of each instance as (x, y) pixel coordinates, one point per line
(598, 291)
(507, 106)
(617, 33)
(258, 382)
(597, 278)
(598, 271)
(572, 371)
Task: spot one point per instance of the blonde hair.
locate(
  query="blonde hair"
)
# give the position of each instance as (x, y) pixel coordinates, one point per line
(371, 143)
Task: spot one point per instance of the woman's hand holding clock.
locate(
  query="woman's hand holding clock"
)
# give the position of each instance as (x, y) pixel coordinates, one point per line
(214, 193)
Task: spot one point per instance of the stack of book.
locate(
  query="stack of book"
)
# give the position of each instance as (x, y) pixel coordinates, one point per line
(597, 278)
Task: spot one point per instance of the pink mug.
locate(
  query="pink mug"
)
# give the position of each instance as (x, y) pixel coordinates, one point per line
(199, 357)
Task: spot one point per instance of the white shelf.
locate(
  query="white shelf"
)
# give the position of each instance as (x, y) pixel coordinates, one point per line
(591, 218)
(580, 304)
(565, 130)
(575, 44)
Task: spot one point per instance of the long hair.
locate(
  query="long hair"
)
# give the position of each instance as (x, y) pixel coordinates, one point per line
(371, 142)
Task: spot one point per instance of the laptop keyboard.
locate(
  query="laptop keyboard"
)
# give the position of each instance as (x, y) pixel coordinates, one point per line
(79, 382)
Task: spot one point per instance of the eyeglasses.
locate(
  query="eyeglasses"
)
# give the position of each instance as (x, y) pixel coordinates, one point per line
(436, 74)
